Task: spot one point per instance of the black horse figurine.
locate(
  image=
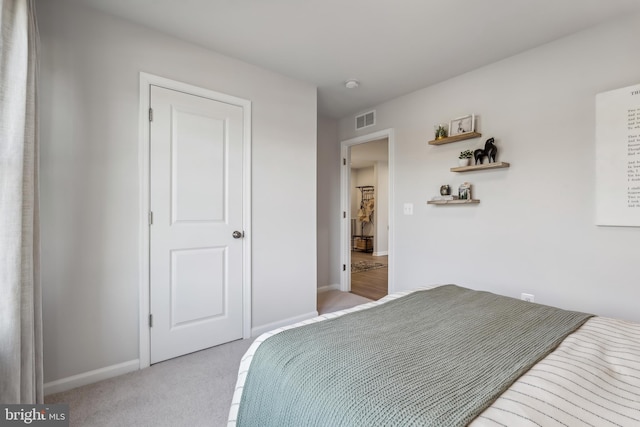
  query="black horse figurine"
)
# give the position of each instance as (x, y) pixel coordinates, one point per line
(478, 155)
(490, 150)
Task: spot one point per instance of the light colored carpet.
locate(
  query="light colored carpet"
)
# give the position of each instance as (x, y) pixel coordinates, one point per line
(333, 300)
(190, 391)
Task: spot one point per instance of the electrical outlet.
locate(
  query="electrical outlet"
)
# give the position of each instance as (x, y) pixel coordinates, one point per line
(527, 297)
(408, 208)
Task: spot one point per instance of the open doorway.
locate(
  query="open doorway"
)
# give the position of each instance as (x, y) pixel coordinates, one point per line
(366, 181)
(369, 191)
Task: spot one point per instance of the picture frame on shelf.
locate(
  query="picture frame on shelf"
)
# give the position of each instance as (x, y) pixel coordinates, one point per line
(464, 191)
(462, 125)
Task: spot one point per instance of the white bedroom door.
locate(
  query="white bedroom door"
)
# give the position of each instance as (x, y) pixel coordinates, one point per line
(196, 259)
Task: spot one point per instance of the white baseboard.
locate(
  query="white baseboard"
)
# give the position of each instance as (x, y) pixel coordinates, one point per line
(328, 288)
(91, 377)
(257, 331)
(382, 253)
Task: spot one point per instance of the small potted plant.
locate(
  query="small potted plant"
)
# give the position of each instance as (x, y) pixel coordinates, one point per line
(441, 131)
(465, 157)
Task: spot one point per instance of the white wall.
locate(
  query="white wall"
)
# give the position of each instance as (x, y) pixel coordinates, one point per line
(354, 197)
(534, 228)
(90, 65)
(328, 203)
(381, 241)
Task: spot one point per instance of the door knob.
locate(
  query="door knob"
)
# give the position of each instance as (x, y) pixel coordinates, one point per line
(237, 234)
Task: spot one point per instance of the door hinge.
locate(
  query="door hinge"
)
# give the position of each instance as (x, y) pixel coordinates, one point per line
(344, 162)
(344, 214)
(150, 114)
(150, 320)
(150, 218)
(344, 267)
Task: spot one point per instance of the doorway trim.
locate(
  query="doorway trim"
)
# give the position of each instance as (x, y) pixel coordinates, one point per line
(146, 81)
(345, 205)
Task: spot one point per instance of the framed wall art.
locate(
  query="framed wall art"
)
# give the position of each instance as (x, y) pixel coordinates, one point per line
(617, 152)
(462, 125)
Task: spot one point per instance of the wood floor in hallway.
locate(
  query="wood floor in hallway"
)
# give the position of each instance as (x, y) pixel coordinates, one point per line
(372, 284)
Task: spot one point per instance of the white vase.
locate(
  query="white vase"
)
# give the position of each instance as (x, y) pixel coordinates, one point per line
(464, 162)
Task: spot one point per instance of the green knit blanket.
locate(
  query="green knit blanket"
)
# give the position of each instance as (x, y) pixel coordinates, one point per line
(432, 358)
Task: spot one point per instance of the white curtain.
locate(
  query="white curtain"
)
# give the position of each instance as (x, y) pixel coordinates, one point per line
(20, 292)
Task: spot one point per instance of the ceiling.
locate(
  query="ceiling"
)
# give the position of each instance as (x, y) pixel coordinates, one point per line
(365, 155)
(391, 47)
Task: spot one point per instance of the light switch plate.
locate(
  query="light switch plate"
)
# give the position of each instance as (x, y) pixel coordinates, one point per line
(408, 208)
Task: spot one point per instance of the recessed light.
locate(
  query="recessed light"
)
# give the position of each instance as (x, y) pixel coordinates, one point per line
(351, 84)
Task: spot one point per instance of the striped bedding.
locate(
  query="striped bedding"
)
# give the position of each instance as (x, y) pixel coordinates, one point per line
(592, 378)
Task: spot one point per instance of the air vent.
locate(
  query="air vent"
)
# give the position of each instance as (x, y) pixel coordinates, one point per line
(365, 120)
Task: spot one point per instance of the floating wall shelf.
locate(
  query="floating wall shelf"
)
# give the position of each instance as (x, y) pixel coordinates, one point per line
(494, 165)
(453, 202)
(456, 138)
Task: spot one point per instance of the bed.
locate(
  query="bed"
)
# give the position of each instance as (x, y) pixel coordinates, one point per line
(443, 356)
